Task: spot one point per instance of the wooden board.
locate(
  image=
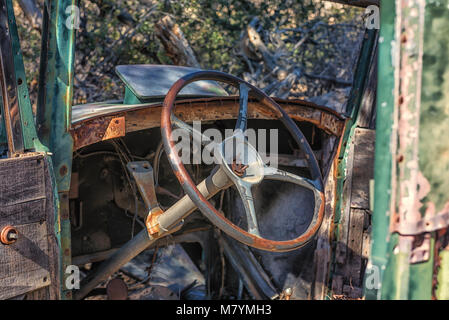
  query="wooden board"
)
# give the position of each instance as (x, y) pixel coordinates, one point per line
(26, 203)
(355, 242)
(363, 170)
(24, 264)
(353, 246)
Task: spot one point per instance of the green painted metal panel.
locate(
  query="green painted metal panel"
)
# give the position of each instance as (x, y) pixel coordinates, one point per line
(56, 87)
(434, 121)
(31, 142)
(54, 107)
(130, 97)
(442, 290)
(419, 105)
(383, 153)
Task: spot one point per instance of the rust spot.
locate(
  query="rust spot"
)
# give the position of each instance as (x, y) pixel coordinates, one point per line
(152, 222)
(404, 38)
(238, 168)
(63, 170)
(98, 129)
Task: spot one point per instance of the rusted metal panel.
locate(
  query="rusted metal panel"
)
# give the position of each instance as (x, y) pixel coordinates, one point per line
(95, 129)
(148, 115)
(98, 130)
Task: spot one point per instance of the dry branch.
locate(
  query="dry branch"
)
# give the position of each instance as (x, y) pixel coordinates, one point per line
(31, 12)
(176, 45)
(358, 3)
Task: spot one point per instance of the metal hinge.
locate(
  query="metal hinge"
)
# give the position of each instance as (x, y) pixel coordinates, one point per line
(420, 228)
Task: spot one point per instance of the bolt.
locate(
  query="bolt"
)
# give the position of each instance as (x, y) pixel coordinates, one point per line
(104, 173)
(63, 170)
(239, 168)
(12, 236)
(287, 293)
(8, 235)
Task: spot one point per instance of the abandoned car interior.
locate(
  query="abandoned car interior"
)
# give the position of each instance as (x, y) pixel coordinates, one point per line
(197, 184)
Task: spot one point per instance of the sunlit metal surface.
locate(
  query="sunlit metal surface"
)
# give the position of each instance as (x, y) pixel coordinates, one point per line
(153, 81)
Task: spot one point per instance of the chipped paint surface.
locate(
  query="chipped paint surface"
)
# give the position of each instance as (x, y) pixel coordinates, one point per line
(409, 101)
(98, 130)
(416, 108)
(434, 121)
(93, 120)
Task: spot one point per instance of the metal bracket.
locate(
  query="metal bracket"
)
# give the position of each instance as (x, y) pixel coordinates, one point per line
(420, 228)
(8, 86)
(142, 172)
(425, 225)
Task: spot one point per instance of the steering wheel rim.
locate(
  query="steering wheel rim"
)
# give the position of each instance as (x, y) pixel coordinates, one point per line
(203, 204)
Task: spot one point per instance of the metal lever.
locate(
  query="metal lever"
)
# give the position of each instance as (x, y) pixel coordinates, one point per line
(142, 172)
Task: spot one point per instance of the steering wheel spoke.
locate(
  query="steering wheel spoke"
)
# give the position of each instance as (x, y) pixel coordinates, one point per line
(272, 173)
(194, 133)
(243, 107)
(248, 203)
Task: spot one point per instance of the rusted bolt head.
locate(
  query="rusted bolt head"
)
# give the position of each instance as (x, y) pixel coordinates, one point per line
(403, 38)
(104, 173)
(238, 168)
(117, 289)
(63, 170)
(8, 235)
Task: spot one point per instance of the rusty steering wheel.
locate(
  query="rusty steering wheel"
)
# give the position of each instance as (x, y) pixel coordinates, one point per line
(247, 172)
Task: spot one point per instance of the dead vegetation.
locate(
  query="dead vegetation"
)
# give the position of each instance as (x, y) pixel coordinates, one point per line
(305, 50)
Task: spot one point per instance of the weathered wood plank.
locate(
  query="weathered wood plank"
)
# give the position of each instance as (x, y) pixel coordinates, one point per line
(25, 180)
(355, 241)
(367, 113)
(337, 285)
(24, 264)
(341, 251)
(366, 246)
(323, 250)
(27, 203)
(363, 170)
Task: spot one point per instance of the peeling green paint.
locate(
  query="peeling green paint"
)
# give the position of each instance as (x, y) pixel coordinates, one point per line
(434, 146)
